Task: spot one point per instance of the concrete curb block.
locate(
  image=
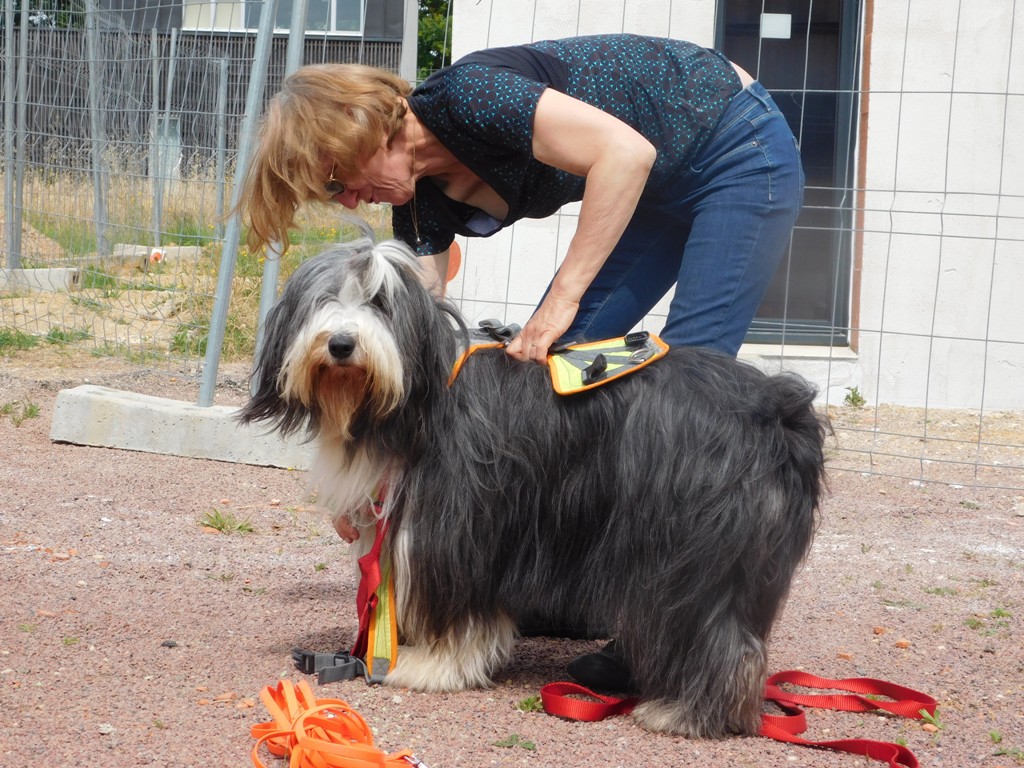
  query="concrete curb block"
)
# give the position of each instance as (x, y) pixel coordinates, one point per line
(111, 418)
(53, 280)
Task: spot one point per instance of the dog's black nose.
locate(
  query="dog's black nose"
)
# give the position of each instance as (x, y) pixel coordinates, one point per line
(341, 346)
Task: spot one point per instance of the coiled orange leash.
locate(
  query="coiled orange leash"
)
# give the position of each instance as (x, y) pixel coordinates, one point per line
(319, 733)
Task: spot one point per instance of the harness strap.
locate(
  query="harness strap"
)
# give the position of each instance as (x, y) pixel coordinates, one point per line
(905, 702)
(465, 356)
(377, 640)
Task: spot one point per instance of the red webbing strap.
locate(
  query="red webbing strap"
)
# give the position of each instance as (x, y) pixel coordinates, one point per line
(366, 598)
(557, 701)
(905, 702)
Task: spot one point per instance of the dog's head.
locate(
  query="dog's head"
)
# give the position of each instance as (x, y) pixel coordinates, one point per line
(352, 338)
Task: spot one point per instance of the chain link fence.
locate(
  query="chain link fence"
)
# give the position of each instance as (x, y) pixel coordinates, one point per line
(120, 148)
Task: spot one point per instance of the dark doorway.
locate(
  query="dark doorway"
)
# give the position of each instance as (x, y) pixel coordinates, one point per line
(805, 53)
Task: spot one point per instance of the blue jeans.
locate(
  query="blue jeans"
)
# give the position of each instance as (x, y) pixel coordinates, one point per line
(718, 232)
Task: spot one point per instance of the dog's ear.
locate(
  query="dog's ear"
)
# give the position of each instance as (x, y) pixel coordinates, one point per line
(266, 403)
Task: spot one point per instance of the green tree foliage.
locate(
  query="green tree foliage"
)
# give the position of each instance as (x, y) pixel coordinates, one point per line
(48, 14)
(434, 42)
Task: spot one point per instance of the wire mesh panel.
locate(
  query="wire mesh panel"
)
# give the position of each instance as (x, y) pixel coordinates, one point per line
(122, 140)
(898, 294)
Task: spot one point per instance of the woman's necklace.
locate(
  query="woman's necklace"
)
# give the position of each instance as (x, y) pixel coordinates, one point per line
(415, 216)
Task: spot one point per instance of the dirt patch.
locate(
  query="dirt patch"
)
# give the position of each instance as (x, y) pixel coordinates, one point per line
(957, 447)
(117, 306)
(131, 636)
(34, 244)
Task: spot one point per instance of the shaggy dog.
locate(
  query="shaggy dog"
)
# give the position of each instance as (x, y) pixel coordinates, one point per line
(671, 507)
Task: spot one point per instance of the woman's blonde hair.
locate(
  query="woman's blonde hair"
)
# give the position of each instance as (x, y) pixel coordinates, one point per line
(336, 111)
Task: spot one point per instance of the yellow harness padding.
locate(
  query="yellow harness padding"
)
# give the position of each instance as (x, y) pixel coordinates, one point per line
(579, 367)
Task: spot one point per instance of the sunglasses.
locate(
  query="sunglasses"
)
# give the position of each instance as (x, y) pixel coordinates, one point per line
(333, 186)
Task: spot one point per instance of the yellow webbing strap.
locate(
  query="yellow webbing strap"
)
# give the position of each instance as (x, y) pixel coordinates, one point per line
(382, 641)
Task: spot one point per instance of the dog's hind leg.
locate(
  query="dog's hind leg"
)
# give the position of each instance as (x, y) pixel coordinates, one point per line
(702, 675)
(456, 661)
(720, 698)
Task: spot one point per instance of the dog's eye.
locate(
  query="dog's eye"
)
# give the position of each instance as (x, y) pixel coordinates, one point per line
(377, 302)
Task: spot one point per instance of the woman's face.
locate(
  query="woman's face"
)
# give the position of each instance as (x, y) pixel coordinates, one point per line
(385, 177)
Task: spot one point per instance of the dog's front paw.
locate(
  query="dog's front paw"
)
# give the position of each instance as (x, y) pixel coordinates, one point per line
(421, 669)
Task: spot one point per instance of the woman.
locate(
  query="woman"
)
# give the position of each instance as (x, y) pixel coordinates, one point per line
(686, 171)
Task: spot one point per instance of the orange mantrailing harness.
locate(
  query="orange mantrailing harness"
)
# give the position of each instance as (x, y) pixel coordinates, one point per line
(319, 733)
(579, 367)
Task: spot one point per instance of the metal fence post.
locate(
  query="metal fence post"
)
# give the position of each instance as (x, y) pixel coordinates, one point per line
(154, 132)
(253, 102)
(12, 212)
(222, 142)
(99, 141)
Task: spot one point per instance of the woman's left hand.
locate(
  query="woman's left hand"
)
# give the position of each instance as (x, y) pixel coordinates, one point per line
(552, 318)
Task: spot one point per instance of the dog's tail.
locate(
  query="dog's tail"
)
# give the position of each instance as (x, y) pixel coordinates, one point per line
(788, 399)
(786, 406)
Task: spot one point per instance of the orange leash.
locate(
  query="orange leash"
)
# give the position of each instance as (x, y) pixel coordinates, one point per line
(319, 733)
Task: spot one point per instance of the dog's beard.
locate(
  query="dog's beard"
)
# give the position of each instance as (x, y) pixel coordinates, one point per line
(339, 392)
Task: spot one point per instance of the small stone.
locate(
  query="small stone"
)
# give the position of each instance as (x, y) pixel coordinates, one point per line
(169, 644)
(902, 643)
(105, 729)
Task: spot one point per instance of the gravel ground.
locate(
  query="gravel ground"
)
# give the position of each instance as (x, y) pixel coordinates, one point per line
(130, 635)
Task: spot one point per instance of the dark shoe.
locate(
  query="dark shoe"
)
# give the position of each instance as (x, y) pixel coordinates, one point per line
(606, 669)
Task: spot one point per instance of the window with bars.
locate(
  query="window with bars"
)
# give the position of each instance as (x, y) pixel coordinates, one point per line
(806, 55)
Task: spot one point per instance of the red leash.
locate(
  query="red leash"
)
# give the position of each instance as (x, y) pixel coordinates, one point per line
(366, 598)
(905, 702)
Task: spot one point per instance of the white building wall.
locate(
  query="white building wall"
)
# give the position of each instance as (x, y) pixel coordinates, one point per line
(940, 311)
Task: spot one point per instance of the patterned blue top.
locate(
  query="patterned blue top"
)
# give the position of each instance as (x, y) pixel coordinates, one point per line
(481, 108)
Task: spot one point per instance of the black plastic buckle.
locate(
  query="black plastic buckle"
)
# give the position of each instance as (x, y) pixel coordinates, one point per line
(329, 667)
(595, 371)
(636, 338)
(499, 332)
